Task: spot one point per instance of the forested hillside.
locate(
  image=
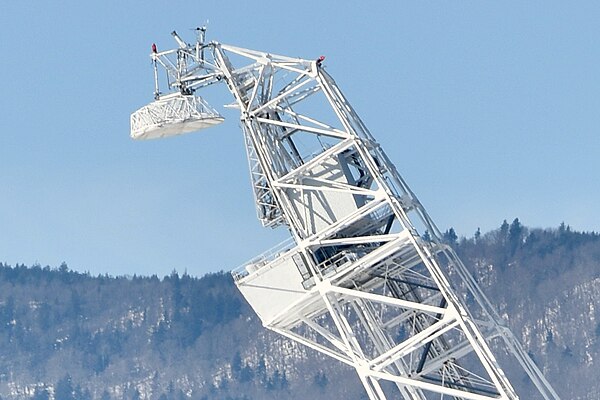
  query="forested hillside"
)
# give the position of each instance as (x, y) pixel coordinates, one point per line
(67, 335)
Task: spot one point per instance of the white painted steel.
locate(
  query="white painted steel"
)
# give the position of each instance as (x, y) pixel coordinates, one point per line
(365, 278)
(173, 115)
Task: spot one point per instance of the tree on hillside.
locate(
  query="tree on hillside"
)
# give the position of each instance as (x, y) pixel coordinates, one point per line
(450, 237)
(515, 235)
(41, 394)
(64, 389)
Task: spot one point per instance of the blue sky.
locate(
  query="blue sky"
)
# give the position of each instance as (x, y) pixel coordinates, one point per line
(489, 111)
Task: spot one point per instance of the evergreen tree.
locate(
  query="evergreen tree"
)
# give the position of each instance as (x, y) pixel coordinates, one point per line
(105, 395)
(41, 394)
(320, 380)
(136, 395)
(450, 237)
(236, 365)
(247, 373)
(261, 370)
(477, 235)
(515, 235)
(426, 236)
(503, 234)
(64, 389)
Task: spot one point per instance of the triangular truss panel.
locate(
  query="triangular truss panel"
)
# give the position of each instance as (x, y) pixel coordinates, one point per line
(365, 277)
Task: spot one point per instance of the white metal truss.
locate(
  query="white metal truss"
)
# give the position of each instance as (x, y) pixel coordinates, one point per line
(365, 278)
(173, 115)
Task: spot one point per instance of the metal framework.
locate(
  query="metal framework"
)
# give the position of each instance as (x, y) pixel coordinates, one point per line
(365, 277)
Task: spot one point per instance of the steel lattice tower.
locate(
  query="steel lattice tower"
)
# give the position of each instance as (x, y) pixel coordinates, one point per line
(365, 277)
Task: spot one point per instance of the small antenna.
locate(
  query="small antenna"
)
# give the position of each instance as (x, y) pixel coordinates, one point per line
(156, 88)
(200, 38)
(201, 34)
(179, 41)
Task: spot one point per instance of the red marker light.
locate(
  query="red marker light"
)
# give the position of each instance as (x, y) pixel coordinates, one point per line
(154, 47)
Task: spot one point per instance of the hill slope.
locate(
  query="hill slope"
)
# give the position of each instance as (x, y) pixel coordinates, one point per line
(67, 335)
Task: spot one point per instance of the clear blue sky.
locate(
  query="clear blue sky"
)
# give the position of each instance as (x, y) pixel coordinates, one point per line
(490, 110)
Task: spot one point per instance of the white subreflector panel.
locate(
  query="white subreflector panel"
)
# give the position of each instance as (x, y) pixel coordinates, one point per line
(171, 115)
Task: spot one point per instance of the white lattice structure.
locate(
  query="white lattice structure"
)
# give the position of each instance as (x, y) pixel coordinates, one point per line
(174, 114)
(365, 277)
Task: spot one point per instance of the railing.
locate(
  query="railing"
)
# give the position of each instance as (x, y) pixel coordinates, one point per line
(334, 263)
(263, 259)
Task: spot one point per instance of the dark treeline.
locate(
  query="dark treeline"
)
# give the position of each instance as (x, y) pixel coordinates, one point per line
(531, 260)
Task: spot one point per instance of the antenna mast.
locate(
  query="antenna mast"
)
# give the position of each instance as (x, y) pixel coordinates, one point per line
(365, 277)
